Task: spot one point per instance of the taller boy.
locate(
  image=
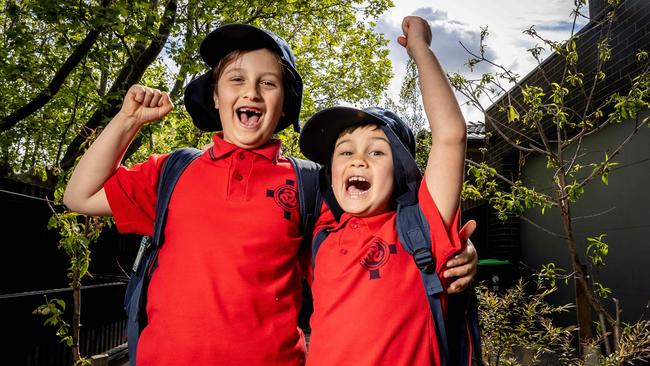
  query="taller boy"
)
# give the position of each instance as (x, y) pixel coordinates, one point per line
(227, 287)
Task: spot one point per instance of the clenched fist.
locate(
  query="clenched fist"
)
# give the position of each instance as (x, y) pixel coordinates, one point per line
(417, 33)
(145, 104)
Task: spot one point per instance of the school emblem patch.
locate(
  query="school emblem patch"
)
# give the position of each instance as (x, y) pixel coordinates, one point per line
(285, 196)
(377, 256)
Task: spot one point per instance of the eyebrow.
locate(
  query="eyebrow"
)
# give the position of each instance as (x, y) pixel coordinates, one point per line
(372, 138)
(242, 70)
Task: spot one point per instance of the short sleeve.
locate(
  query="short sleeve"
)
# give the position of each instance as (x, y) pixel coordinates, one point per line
(131, 193)
(445, 243)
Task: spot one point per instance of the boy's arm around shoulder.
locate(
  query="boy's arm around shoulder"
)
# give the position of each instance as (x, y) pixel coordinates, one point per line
(445, 165)
(84, 192)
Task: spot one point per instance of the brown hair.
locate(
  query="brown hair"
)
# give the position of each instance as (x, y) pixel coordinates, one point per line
(356, 127)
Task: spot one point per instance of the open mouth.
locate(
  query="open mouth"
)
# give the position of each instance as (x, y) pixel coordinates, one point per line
(249, 117)
(357, 186)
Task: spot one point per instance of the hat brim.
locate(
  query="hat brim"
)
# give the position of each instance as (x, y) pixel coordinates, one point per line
(321, 131)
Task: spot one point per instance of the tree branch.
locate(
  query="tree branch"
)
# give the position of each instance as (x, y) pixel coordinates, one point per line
(57, 81)
(542, 228)
(130, 74)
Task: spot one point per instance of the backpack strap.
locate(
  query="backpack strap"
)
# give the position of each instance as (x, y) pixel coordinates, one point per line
(461, 321)
(414, 235)
(146, 260)
(309, 196)
(463, 327)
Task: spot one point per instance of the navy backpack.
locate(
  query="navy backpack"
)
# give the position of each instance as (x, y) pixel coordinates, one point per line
(146, 262)
(457, 332)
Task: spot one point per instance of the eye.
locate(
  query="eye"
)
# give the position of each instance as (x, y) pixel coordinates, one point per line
(268, 84)
(377, 153)
(236, 79)
(341, 151)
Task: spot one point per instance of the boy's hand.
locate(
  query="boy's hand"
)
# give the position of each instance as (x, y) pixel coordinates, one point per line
(464, 264)
(417, 33)
(145, 104)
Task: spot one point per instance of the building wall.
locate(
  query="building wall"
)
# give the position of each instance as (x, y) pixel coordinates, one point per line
(625, 207)
(630, 32)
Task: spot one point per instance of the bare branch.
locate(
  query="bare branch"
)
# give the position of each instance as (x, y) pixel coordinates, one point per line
(594, 215)
(542, 228)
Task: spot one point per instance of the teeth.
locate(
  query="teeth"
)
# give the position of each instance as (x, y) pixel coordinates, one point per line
(357, 179)
(248, 110)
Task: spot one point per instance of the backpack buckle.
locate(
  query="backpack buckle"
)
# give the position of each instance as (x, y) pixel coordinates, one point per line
(424, 260)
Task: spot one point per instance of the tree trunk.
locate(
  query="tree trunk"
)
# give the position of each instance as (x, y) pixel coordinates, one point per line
(76, 317)
(129, 75)
(57, 81)
(584, 313)
(583, 305)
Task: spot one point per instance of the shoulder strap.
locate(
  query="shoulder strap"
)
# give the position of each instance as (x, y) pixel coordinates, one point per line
(136, 290)
(308, 195)
(172, 170)
(461, 320)
(414, 235)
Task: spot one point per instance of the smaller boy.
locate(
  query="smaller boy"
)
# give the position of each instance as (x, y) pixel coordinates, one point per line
(370, 306)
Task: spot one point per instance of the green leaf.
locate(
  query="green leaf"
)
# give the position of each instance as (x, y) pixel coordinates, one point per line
(513, 115)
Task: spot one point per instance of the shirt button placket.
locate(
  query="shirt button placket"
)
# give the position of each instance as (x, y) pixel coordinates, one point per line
(241, 168)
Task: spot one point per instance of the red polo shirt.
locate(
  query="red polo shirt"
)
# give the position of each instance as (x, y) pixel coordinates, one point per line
(227, 288)
(370, 306)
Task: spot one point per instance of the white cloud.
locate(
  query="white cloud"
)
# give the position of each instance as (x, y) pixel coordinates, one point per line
(454, 21)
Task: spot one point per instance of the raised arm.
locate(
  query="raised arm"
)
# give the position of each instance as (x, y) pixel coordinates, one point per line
(444, 171)
(84, 192)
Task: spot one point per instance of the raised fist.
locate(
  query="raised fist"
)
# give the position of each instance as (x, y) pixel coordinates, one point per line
(146, 104)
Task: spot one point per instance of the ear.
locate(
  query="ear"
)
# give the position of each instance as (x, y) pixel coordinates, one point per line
(215, 98)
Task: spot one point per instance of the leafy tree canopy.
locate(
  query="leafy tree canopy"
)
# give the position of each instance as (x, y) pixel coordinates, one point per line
(65, 66)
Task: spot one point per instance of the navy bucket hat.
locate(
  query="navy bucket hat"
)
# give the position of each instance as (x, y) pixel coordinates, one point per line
(199, 101)
(323, 129)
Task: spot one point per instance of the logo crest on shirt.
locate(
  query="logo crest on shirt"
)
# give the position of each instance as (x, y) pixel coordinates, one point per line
(285, 196)
(377, 256)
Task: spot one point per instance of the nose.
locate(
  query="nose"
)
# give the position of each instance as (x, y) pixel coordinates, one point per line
(251, 91)
(358, 161)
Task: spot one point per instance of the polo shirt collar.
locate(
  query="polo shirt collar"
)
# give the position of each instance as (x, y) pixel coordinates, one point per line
(222, 148)
(374, 223)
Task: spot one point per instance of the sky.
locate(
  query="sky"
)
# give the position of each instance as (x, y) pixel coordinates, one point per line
(454, 21)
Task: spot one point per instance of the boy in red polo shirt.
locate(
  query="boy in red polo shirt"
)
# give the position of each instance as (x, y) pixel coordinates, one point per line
(227, 286)
(370, 305)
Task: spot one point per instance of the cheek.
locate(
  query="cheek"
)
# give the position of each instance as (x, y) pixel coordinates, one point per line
(388, 179)
(336, 174)
(277, 100)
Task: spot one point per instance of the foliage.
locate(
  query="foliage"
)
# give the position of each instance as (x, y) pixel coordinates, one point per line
(550, 114)
(53, 310)
(409, 105)
(76, 233)
(66, 65)
(409, 109)
(519, 328)
(156, 43)
(521, 320)
(632, 346)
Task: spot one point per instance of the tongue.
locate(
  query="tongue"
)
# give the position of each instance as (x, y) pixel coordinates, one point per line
(249, 121)
(353, 189)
